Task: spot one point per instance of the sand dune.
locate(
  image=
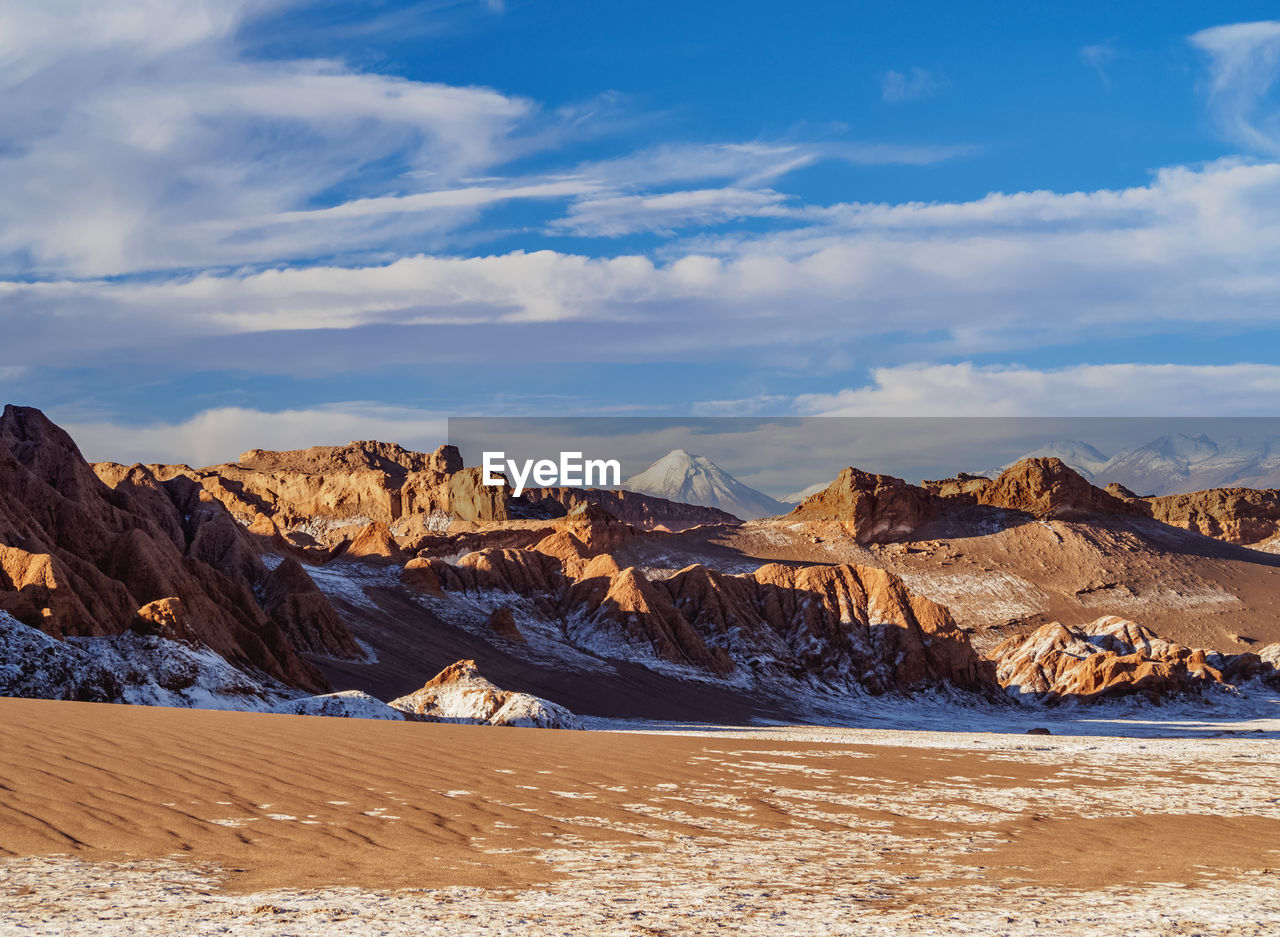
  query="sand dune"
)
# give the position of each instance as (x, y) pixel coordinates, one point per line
(226, 808)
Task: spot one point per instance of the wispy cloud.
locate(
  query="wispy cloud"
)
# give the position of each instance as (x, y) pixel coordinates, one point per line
(914, 83)
(1083, 390)
(1098, 56)
(666, 212)
(1195, 249)
(140, 139)
(1244, 63)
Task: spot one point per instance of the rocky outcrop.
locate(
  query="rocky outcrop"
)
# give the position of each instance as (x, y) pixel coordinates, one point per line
(1044, 487)
(583, 533)
(871, 508)
(325, 495)
(645, 512)
(884, 509)
(292, 598)
(84, 555)
(460, 694)
(1237, 515)
(373, 543)
(1113, 658)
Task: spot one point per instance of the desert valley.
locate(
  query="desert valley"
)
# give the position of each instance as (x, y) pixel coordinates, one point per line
(975, 705)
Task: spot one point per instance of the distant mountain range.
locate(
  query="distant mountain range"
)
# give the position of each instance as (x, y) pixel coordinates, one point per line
(694, 479)
(1173, 464)
(797, 496)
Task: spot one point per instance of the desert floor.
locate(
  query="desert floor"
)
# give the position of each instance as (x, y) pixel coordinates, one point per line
(131, 820)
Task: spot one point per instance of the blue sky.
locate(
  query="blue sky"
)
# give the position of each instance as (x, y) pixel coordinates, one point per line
(274, 223)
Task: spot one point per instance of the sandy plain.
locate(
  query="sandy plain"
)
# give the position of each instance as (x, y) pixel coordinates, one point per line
(132, 820)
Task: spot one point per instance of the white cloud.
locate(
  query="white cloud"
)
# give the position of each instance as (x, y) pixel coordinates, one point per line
(144, 137)
(1083, 390)
(753, 163)
(1195, 248)
(1244, 62)
(222, 433)
(896, 87)
(140, 137)
(1098, 56)
(664, 213)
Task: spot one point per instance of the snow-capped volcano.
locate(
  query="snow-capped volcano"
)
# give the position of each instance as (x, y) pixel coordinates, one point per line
(695, 479)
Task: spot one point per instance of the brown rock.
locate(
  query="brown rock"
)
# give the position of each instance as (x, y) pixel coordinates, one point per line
(645, 512)
(164, 617)
(374, 544)
(871, 508)
(421, 575)
(1048, 487)
(1113, 657)
(1236, 515)
(306, 615)
(81, 557)
(502, 622)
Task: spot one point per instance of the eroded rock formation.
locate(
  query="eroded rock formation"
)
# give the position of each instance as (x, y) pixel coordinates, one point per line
(1237, 515)
(460, 694)
(1112, 658)
(328, 495)
(646, 512)
(871, 508)
(84, 555)
(841, 626)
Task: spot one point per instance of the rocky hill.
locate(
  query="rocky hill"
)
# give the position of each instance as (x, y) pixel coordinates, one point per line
(83, 555)
(842, 627)
(249, 583)
(883, 509)
(1248, 516)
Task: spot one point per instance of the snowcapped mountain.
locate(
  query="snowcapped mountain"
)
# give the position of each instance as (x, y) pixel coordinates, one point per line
(1175, 463)
(1078, 455)
(1178, 463)
(695, 479)
(1163, 464)
(797, 496)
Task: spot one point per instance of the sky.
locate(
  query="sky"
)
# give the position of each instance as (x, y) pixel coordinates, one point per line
(229, 224)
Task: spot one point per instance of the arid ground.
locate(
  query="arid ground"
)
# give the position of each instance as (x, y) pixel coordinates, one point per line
(136, 820)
